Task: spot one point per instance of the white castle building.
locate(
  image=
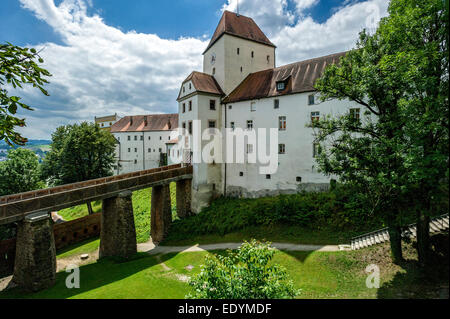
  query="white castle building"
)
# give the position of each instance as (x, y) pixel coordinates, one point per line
(143, 141)
(241, 87)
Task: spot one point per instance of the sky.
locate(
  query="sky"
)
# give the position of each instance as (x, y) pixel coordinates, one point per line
(130, 57)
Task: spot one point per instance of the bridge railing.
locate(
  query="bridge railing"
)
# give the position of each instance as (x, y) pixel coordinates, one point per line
(15, 207)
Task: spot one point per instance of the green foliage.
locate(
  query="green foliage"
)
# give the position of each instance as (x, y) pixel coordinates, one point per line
(18, 67)
(19, 173)
(339, 210)
(243, 274)
(79, 152)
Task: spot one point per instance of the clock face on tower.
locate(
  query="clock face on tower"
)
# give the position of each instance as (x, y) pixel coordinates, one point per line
(213, 58)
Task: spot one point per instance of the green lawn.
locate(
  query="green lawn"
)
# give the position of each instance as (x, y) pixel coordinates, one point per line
(273, 233)
(141, 208)
(318, 274)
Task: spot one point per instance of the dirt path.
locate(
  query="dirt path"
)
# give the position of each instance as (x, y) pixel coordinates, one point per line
(150, 248)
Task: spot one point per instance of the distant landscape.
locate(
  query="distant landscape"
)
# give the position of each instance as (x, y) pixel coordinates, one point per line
(39, 147)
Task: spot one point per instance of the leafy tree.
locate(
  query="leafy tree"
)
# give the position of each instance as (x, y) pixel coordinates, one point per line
(417, 34)
(18, 67)
(79, 152)
(244, 274)
(397, 150)
(20, 172)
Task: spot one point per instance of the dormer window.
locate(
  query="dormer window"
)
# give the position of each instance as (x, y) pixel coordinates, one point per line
(281, 86)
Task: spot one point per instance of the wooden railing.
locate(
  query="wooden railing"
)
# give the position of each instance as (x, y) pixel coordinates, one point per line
(15, 207)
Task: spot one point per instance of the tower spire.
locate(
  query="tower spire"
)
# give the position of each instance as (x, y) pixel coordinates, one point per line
(237, 10)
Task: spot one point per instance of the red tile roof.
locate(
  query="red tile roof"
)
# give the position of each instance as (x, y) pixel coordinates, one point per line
(239, 26)
(174, 141)
(203, 83)
(144, 123)
(300, 77)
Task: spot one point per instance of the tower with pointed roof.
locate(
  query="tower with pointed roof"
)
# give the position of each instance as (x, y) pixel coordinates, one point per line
(237, 48)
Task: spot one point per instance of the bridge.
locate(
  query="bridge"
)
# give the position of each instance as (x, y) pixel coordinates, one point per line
(35, 262)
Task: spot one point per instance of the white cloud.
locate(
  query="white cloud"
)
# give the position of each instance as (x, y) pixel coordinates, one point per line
(100, 69)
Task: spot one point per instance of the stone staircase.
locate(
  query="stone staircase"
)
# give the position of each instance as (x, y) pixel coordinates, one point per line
(437, 224)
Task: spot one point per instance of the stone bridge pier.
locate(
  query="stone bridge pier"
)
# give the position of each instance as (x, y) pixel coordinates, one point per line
(35, 263)
(35, 259)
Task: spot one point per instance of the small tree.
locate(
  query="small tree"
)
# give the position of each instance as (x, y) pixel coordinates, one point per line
(20, 172)
(244, 274)
(79, 152)
(18, 67)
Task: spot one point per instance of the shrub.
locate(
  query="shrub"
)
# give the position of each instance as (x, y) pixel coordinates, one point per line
(244, 274)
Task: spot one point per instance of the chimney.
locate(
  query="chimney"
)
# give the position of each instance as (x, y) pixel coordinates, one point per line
(145, 120)
(131, 120)
(169, 125)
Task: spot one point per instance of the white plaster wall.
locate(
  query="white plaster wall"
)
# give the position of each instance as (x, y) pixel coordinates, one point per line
(153, 140)
(228, 59)
(298, 159)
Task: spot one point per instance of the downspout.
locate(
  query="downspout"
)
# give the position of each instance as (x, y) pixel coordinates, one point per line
(143, 151)
(225, 167)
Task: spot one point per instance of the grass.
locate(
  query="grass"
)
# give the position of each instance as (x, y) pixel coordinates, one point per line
(274, 233)
(141, 208)
(83, 247)
(318, 275)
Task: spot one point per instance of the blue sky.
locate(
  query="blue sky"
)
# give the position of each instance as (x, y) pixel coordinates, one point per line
(111, 56)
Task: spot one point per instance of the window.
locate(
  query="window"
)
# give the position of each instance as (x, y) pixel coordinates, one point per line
(212, 104)
(253, 54)
(232, 126)
(238, 51)
(129, 150)
(298, 179)
(135, 137)
(190, 105)
(135, 161)
(311, 99)
(268, 59)
(268, 176)
(281, 86)
(249, 125)
(211, 124)
(184, 107)
(230, 107)
(316, 148)
(118, 138)
(249, 148)
(129, 137)
(190, 86)
(103, 124)
(252, 106)
(160, 150)
(190, 127)
(135, 150)
(168, 137)
(315, 116)
(149, 150)
(281, 148)
(110, 123)
(160, 138)
(282, 123)
(214, 71)
(241, 174)
(184, 125)
(276, 104)
(241, 69)
(142, 137)
(355, 113)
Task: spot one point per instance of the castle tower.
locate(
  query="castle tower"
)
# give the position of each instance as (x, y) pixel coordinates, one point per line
(237, 48)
